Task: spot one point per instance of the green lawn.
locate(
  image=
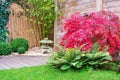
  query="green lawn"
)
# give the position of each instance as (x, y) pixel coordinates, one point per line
(45, 72)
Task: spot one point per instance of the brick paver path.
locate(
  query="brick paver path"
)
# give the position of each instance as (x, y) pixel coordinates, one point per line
(8, 62)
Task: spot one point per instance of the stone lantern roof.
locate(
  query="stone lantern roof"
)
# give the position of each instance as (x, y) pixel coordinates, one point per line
(46, 41)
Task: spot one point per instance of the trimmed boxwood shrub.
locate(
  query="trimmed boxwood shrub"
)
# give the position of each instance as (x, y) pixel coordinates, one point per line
(5, 48)
(21, 50)
(19, 42)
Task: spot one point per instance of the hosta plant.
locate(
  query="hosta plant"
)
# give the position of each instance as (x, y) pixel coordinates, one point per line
(102, 27)
(74, 58)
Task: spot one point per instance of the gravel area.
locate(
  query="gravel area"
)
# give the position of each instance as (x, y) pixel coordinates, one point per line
(36, 51)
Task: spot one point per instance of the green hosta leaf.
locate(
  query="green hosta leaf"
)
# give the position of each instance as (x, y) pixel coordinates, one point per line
(79, 65)
(61, 60)
(57, 61)
(90, 56)
(93, 62)
(98, 54)
(74, 63)
(65, 67)
(104, 62)
(54, 54)
(108, 58)
(54, 63)
(77, 57)
(104, 53)
(70, 54)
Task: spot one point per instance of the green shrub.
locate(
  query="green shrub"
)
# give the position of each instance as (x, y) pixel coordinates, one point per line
(5, 48)
(21, 50)
(19, 42)
(78, 59)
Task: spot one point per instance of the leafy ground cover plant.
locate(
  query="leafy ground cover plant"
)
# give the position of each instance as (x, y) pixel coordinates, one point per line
(74, 58)
(102, 27)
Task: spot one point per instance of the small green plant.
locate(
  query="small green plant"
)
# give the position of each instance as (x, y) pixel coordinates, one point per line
(5, 48)
(19, 42)
(21, 50)
(74, 58)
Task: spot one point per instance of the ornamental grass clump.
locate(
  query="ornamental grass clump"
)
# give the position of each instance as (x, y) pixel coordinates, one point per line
(102, 27)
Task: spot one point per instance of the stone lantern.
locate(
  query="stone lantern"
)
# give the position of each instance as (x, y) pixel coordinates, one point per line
(45, 48)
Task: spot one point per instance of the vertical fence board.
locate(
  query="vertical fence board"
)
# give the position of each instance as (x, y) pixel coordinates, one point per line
(20, 26)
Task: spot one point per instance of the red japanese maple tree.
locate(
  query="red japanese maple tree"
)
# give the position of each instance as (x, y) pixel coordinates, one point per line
(102, 27)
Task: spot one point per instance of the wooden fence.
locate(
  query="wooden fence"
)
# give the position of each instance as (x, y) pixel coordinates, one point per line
(20, 26)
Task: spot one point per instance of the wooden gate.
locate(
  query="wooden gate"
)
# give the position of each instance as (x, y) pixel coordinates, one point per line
(20, 26)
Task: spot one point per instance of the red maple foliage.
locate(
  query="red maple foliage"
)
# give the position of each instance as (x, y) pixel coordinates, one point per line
(102, 27)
